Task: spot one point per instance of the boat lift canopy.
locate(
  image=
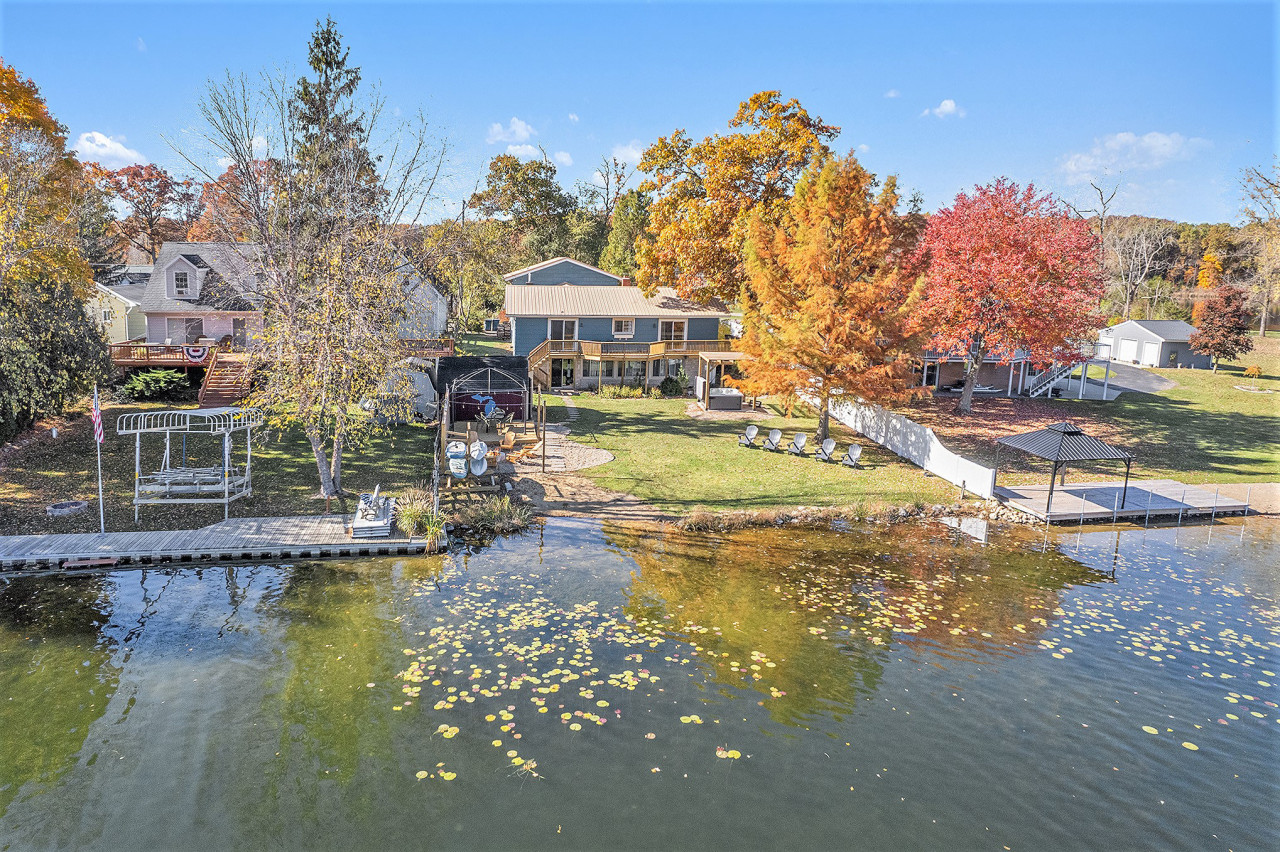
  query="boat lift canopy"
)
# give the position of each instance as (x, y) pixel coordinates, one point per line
(182, 484)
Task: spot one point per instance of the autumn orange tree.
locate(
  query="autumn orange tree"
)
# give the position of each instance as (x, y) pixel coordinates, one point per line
(831, 313)
(50, 351)
(706, 193)
(1208, 279)
(1007, 269)
(160, 207)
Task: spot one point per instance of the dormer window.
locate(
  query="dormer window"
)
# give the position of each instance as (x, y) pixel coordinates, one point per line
(181, 287)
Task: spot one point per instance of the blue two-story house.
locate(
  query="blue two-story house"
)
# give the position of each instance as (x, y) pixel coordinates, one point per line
(581, 326)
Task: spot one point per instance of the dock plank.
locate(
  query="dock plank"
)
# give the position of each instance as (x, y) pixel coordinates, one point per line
(1092, 501)
(238, 535)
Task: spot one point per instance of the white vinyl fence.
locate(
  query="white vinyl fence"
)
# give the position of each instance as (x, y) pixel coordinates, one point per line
(916, 444)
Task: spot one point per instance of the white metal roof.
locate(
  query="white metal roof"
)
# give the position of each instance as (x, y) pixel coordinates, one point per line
(577, 300)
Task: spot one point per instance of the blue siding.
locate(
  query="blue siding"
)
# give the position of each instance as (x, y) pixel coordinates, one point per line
(704, 328)
(570, 273)
(526, 333)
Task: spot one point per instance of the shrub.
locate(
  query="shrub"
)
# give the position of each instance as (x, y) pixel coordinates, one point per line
(155, 384)
(671, 387)
(620, 392)
(496, 514)
(1253, 372)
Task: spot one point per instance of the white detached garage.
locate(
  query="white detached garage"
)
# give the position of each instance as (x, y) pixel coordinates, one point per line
(1152, 343)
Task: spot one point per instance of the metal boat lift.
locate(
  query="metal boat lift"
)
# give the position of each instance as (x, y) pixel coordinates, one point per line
(182, 484)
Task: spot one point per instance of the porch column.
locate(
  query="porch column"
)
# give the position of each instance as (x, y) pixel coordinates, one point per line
(1009, 392)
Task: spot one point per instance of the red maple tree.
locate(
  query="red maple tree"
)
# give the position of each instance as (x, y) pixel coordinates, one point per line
(1009, 269)
(1223, 327)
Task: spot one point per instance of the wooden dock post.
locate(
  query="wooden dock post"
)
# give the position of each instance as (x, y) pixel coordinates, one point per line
(1214, 515)
(1115, 509)
(1147, 521)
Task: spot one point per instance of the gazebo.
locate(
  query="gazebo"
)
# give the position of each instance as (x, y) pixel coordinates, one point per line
(182, 484)
(1061, 444)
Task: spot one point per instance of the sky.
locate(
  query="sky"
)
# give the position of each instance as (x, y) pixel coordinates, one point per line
(1166, 101)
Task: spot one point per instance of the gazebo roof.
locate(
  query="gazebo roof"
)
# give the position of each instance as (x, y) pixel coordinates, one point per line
(1064, 442)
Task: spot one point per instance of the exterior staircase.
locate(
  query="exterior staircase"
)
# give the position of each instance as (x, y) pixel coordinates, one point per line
(226, 380)
(540, 364)
(1043, 383)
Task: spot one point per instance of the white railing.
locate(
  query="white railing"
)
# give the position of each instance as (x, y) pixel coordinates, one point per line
(1044, 382)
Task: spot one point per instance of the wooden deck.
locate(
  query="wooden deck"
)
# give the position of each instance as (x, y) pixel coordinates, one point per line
(238, 539)
(1097, 501)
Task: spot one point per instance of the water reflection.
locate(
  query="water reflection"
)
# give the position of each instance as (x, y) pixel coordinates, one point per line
(831, 607)
(57, 675)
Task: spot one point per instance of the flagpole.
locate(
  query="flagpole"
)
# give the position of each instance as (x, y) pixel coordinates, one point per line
(102, 512)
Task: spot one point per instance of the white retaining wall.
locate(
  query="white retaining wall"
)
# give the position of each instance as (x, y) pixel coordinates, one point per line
(916, 444)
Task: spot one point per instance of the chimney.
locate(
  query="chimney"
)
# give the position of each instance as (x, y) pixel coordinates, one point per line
(626, 281)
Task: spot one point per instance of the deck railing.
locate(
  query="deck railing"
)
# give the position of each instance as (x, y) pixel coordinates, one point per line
(139, 353)
(427, 347)
(601, 349)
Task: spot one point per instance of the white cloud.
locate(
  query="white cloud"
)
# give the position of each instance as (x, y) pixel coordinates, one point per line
(892, 93)
(110, 151)
(946, 108)
(630, 153)
(529, 152)
(142, 45)
(259, 151)
(1118, 152)
(225, 163)
(515, 131)
(562, 158)
(864, 148)
(573, 116)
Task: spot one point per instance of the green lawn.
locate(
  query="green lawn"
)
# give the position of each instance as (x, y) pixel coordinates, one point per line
(285, 479)
(665, 457)
(479, 344)
(1205, 429)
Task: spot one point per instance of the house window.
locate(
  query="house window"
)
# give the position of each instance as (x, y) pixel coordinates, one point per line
(624, 328)
(181, 287)
(606, 369)
(106, 317)
(634, 371)
(591, 369)
(673, 330)
(674, 366)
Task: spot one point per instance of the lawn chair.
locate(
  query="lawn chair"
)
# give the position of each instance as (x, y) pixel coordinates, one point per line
(748, 439)
(852, 455)
(826, 451)
(774, 440)
(797, 444)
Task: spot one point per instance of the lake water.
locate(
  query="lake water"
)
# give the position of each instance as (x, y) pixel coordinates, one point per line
(588, 687)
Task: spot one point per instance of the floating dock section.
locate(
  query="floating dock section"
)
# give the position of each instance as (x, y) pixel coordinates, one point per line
(1101, 501)
(235, 540)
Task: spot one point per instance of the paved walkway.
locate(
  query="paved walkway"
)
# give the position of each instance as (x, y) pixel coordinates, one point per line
(237, 539)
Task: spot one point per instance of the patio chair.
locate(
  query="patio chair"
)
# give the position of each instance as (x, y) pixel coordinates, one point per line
(748, 439)
(852, 455)
(826, 451)
(796, 447)
(774, 440)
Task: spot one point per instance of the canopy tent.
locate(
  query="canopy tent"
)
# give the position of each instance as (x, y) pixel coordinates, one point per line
(1062, 443)
(181, 484)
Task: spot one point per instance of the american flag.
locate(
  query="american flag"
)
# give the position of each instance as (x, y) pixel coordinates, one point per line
(97, 417)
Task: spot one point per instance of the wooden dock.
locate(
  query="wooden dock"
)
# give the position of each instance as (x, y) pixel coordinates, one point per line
(235, 540)
(1097, 501)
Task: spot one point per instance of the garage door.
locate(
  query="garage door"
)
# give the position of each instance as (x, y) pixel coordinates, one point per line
(1128, 350)
(1151, 354)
